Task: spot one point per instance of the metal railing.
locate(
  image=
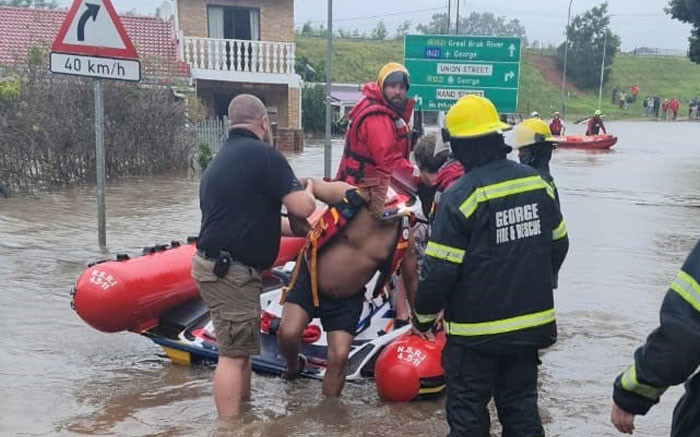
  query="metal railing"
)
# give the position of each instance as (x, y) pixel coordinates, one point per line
(238, 55)
(213, 131)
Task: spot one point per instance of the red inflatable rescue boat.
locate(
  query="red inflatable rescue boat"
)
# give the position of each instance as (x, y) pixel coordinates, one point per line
(605, 141)
(131, 293)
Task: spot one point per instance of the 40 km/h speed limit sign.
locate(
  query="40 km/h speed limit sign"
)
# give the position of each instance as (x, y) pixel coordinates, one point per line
(92, 42)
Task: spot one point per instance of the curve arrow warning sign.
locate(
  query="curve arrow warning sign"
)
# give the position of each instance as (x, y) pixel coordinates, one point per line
(92, 42)
(93, 28)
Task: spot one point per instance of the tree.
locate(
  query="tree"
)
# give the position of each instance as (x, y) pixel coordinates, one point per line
(306, 29)
(379, 32)
(39, 4)
(402, 29)
(688, 11)
(586, 38)
(477, 24)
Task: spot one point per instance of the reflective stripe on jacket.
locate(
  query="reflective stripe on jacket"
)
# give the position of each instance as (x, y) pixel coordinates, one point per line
(670, 355)
(497, 240)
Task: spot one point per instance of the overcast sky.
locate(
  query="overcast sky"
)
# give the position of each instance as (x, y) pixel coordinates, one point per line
(638, 22)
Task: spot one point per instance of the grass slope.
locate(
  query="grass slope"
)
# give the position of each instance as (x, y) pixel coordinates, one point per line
(357, 61)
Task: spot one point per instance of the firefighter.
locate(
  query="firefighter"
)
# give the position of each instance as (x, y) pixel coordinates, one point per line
(497, 241)
(534, 142)
(669, 357)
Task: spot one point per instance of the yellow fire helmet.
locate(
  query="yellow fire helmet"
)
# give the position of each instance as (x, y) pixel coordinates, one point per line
(391, 67)
(473, 116)
(529, 132)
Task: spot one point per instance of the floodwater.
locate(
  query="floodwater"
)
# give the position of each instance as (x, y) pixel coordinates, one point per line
(632, 215)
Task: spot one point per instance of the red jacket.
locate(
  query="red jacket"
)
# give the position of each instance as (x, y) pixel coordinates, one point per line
(378, 140)
(594, 126)
(555, 126)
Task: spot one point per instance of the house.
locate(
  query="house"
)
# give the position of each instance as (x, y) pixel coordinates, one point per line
(237, 46)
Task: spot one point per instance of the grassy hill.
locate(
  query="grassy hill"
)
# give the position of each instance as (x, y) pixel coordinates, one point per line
(356, 61)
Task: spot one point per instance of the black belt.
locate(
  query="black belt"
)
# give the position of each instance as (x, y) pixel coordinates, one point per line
(209, 256)
(206, 256)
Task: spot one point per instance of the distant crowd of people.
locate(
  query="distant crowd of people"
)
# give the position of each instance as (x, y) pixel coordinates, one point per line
(654, 106)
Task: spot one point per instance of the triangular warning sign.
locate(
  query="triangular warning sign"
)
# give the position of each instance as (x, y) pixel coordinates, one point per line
(93, 28)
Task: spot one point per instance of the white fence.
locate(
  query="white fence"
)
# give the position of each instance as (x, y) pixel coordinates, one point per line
(239, 55)
(213, 131)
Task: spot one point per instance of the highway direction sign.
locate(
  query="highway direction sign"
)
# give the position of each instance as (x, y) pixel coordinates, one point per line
(444, 68)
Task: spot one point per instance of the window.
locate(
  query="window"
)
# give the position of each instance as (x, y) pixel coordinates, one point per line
(233, 23)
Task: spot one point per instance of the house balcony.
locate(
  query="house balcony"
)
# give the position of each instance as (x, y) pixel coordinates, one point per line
(235, 60)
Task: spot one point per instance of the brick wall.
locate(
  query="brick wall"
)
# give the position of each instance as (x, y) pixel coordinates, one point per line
(290, 140)
(276, 17)
(293, 115)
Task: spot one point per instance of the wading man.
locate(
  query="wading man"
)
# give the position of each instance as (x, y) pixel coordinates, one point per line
(497, 241)
(347, 260)
(241, 195)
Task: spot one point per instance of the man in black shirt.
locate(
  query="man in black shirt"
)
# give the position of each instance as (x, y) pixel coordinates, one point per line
(241, 195)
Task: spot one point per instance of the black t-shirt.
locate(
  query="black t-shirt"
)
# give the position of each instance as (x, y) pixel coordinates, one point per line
(241, 197)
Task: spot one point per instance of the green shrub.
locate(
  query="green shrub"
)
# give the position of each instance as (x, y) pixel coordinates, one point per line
(204, 155)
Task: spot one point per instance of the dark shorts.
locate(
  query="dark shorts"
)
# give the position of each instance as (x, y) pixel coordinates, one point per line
(336, 314)
(234, 303)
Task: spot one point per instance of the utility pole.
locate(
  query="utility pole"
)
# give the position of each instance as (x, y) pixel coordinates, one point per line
(449, 13)
(602, 68)
(566, 53)
(327, 152)
(457, 19)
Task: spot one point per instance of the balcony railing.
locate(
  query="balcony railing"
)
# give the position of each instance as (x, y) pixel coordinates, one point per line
(237, 55)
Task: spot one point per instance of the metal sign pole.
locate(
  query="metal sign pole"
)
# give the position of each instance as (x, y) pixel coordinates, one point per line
(100, 164)
(329, 77)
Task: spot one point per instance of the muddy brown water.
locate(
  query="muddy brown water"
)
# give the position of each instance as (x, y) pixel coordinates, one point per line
(632, 213)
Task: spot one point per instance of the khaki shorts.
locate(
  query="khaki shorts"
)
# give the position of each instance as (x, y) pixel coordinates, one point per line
(234, 303)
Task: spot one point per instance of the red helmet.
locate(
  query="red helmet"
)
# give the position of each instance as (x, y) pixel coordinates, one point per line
(409, 367)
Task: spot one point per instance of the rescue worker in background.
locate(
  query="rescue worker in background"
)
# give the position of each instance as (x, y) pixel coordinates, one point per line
(595, 124)
(670, 356)
(378, 139)
(534, 143)
(497, 241)
(535, 114)
(557, 126)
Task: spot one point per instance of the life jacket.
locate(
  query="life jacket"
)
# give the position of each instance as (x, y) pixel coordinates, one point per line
(357, 158)
(555, 126)
(333, 221)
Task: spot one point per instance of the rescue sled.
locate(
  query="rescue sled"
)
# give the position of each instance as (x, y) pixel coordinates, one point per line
(154, 295)
(604, 141)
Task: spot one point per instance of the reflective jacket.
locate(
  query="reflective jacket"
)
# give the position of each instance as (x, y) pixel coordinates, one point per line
(378, 139)
(670, 355)
(594, 126)
(497, 241)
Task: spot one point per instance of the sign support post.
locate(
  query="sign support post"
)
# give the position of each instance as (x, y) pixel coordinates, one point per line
(92, 42)
(100, 163)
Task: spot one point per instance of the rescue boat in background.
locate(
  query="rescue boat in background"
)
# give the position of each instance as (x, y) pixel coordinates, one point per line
(154, 295)
(598, 142)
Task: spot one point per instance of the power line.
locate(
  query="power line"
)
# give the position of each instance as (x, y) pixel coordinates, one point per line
(381, 16)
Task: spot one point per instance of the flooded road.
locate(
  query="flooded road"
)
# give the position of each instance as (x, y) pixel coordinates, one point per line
(633, 214)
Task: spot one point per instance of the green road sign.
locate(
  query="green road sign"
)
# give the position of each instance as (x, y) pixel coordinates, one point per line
(437, 98)
(462, 48)
(471, 74)
(444, 68)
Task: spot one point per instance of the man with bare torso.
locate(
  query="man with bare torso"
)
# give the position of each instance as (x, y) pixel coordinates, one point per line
(345, 264)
